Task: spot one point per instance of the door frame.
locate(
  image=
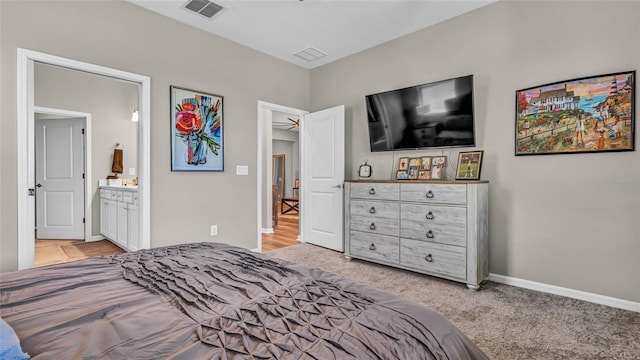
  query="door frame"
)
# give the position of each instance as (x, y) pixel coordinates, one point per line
(265, 137)
(87, 159)
(25, 144)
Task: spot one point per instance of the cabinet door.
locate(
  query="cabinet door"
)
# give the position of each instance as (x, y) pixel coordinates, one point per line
(112, 214)
(104, 217)
(123, 218)
(134, 229)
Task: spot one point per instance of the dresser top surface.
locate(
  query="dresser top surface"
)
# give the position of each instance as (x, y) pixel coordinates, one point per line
(420, 181)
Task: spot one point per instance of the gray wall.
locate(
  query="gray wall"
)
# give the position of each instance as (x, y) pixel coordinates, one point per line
(565, 220)
(123, 36)
(110, 103)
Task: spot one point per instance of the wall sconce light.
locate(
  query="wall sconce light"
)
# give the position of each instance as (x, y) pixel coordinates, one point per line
(134, 115)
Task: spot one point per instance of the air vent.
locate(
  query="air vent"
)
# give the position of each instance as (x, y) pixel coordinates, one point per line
(203, 7)
(310, 54)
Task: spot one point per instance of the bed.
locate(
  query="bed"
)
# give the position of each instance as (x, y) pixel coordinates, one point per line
(215, 301)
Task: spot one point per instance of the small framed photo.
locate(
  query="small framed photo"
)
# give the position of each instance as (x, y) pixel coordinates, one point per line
(403, 164)
(415, 162)
(439, 161)
(413, 172)
(436, 172)
(425, 174)
(426, 163)
(402, 175)
(469, 165)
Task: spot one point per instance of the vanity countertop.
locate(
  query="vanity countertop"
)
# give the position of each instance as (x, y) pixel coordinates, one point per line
(120, 187)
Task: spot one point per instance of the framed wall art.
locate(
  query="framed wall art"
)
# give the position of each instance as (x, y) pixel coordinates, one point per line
(196, 131)
(589, 114)
(469, 165)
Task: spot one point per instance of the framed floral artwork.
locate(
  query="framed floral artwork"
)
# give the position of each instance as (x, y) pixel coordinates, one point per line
(469, 165)
(196, 131)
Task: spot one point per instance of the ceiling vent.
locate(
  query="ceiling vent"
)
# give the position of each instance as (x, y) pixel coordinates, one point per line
(203, 7)
(310, 54)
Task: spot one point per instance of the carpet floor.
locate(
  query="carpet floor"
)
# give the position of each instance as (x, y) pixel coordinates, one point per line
(506, 322)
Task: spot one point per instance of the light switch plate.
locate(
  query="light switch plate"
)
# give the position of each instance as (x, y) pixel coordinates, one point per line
(242, 170)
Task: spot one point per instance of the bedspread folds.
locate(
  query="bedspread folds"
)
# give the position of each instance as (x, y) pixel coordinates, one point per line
(216, 301)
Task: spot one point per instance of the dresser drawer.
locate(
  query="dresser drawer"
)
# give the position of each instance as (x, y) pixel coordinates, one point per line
(436, 258)
(434, 193)
(374, 246)
(441, 224)
(376, 191)
(377, 209)
(375, 225)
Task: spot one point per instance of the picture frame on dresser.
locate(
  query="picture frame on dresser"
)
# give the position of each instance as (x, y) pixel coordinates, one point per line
(403, 163)
(438, 165)
(469, 165)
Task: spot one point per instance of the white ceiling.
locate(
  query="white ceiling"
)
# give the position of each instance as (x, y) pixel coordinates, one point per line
(337, 28)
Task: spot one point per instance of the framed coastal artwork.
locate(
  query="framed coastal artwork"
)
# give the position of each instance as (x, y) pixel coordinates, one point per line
(589, 114)
(196, 131)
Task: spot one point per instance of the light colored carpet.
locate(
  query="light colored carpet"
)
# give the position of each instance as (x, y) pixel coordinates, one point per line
(506, 322)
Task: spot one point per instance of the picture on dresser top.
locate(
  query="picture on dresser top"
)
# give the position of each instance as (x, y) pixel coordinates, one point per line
(469, 165)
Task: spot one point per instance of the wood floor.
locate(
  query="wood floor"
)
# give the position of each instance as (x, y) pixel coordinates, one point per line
(49, 252)
(284, 234)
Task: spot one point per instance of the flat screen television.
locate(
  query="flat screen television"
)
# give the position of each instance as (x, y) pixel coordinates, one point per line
(437, 114)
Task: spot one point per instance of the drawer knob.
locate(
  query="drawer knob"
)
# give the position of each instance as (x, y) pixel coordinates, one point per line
(372, 191)
(372, 210)
(372, 247)
(430, 194)
(372, 226)
(430, 234)
(429, 258)
(430, 216)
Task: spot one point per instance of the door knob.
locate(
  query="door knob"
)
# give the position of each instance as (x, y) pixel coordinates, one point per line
(38, 185)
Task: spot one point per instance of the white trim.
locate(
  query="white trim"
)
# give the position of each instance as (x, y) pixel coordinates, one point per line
(87, 160)
(267, 230)
(262, 128)
(97, 238)
(25, 142)
(255, 250)
(570, 293)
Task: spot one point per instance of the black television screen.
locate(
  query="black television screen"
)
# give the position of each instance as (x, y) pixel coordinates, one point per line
(437, 114)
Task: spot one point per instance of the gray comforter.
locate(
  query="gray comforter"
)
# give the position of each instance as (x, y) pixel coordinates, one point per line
(214, 301)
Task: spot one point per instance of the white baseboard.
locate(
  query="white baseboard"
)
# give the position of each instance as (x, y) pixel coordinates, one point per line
(97, 238)
(267, 231)
(255, 250)
(570, 293)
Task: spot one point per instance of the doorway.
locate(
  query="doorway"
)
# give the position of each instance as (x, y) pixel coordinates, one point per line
(26, 147)
(268, 208)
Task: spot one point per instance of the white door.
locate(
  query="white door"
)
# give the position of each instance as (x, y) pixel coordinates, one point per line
(322, 143)
(59, 151)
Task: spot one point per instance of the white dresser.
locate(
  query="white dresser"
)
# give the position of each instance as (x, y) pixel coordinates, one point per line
(119, 216)
(436, 228)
